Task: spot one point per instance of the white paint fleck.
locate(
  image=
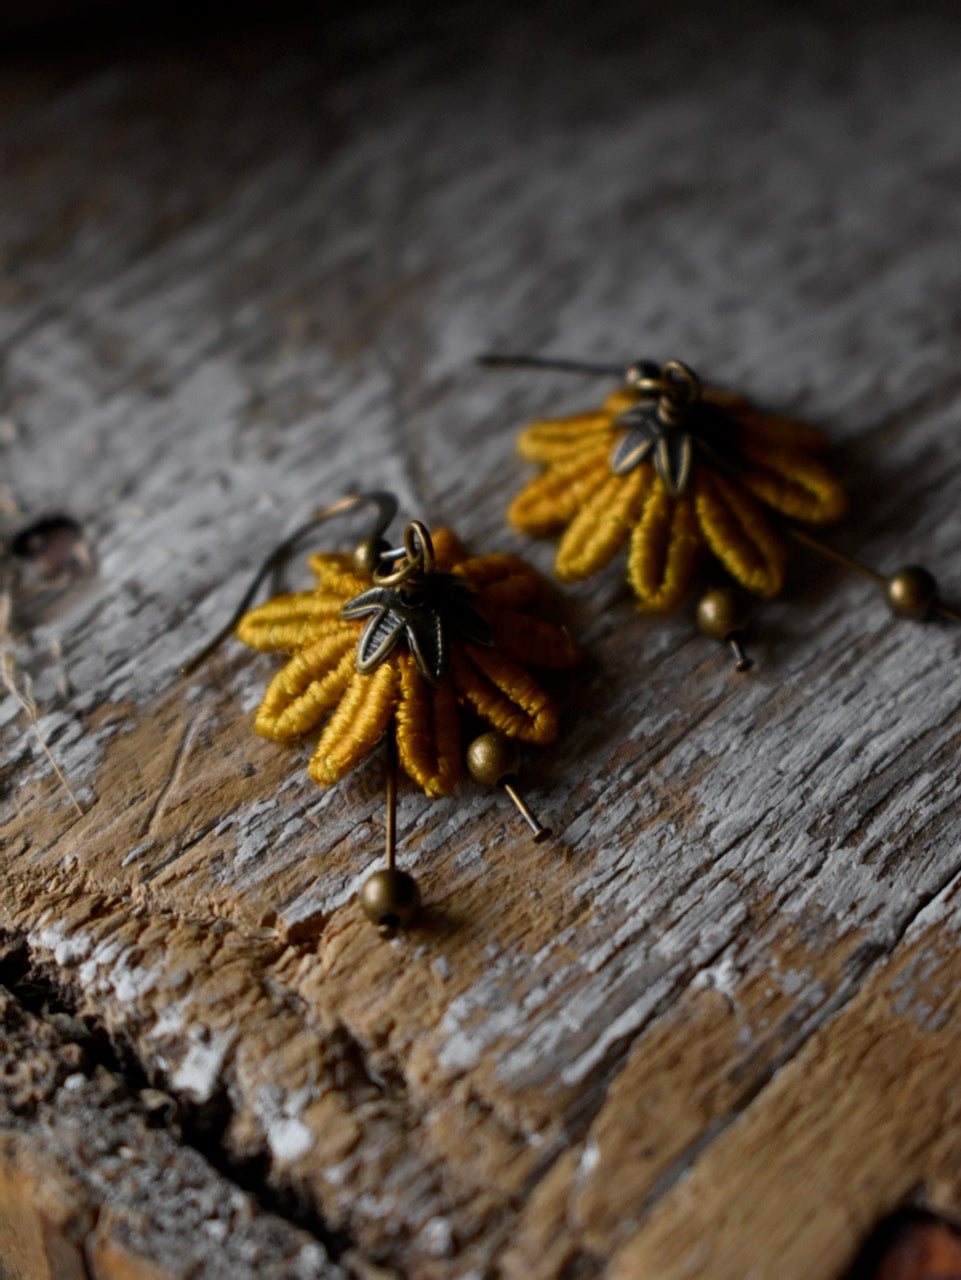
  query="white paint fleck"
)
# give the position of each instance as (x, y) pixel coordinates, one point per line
(311, 1263)
(67, 949)
(437, 1238)
(289, 1139)
(721, 977)
(199, 1072)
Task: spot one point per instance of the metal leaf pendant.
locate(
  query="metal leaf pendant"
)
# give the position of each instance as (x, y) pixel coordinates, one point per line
(707, 431)
(425, 615)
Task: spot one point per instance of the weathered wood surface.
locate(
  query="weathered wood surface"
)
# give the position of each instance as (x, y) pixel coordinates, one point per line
(714, 1031)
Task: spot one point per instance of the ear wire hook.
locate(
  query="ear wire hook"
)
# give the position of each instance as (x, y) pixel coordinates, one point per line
(494, 360)
(386, 508)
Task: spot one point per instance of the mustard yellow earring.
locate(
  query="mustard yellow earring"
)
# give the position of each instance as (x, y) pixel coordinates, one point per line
(675, 470)
(405, 644)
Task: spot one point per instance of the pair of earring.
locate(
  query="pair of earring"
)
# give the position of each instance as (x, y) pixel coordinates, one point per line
(416, 644)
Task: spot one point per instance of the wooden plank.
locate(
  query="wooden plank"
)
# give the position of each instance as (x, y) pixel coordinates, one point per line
(90, 1187)
(213, 329)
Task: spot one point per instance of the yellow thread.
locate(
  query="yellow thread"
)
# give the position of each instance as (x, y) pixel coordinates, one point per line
(321, 679)
(304, 690)
(577, 495)
(554, 440)
(799, 487)
(498, 688)
(290, 621)
(600, 528)
(448, 549)
(357, 725)
(502, 580)
(663, 551)
(336, 575)
(532, 640)
(428, 731)
(738, 534)
(551, 500)
(767, 428)
(733, 401)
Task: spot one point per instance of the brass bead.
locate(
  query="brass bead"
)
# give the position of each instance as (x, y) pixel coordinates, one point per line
(492, 757)
(367, 555)
(390, 899)
(719, 613)
(911, 592)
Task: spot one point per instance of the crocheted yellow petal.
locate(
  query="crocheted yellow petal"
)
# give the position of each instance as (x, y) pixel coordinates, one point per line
(798, 486)
(733, 401)
(532, 641)
(602, 524)
(664, 547)
(336, 575)
(498, 688)
(428, 731)
(448, 549)
(556, 439)
(501, 580)
(304, 690)
(738, 533)
(768, 428)
(290, 621)
(550, 501)
(356, 726)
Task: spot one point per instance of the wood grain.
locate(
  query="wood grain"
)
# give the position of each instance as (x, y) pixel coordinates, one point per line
(711, 1031)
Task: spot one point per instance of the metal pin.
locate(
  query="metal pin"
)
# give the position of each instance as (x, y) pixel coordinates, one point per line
(494, 360)
(390, 838)
(741, 660)
(831, 553)
(540, 833)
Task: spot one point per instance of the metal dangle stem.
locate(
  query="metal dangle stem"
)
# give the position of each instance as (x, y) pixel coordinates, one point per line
(540, 832)
(831, 553)
(390, 846)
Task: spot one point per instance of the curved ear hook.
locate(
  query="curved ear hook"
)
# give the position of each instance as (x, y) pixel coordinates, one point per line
(386, 508)
(495, 360)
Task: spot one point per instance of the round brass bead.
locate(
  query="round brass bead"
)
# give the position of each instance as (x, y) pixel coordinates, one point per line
(390, 899)
(719, 613)
(367, 555)
(911, 592)
(492, 757)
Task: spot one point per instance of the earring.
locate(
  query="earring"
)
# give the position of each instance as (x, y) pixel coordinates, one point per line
(678, 470)
(404, 644)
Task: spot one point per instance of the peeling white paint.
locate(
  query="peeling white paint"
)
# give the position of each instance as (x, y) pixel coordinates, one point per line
(198, 1074)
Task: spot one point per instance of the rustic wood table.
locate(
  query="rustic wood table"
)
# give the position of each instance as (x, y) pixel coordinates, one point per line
(712, 1030)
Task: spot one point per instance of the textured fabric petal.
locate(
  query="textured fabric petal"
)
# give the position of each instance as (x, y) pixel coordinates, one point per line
(336, 575)
(448, 549)
(497, 687)
(738, 533)
(501, 580)
(290, 621)
(428, 731)
(769, 429)
(533, 641)
(303, 691)
(732, 401)
(601, 526)
(357, 725)
(664, 547)
(792, 483)
(557, 439)
(549, 501)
